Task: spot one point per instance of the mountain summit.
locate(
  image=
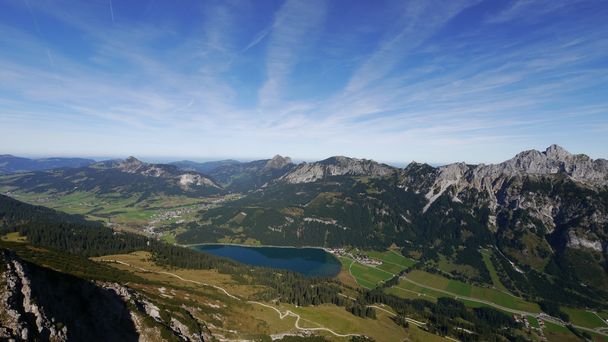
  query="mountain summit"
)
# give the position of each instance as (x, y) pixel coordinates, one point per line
(278, 162)
(555, 160)
(336, 166)
(131, 164)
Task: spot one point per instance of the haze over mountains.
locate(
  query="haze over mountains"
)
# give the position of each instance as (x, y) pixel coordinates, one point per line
(11, 164)
(304, 171)
(543, 214)
(232, 174)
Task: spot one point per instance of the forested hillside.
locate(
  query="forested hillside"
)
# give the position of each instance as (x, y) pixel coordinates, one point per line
(66, 238)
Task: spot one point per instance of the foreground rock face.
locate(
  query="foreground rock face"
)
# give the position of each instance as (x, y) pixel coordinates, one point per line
(39, 304)
(45, 305)
(23, 318)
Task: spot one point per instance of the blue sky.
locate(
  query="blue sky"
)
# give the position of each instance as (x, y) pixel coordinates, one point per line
(394, 81)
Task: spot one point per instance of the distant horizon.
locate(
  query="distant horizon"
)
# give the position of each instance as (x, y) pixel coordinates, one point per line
(202, 159)
(389, 80)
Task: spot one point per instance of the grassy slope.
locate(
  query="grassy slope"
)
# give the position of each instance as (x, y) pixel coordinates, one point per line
(406, 289)
(462, 289)
(251, 320)
(488, 262)
(370, 276)
(533, 322)
(391, 261)
(13, 237)
(554, 332)
(584, 318)
(381, 329)
(129, 211)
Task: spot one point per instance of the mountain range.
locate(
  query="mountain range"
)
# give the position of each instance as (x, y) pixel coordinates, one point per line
(129, 176)
(545, 213)
(12, 164)
(204, 167)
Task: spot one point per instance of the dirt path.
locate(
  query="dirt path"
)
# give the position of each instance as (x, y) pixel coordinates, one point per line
(282, 315)
(413, 321)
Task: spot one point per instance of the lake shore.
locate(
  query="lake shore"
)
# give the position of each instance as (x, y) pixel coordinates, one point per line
(309, 261)
(246, 245)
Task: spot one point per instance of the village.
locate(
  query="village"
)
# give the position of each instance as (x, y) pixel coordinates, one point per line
(357, 257)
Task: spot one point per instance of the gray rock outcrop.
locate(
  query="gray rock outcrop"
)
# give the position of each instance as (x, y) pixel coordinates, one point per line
(336, 166)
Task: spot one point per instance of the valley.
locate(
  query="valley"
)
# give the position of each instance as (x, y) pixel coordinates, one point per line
(404, 240)
(304, 171)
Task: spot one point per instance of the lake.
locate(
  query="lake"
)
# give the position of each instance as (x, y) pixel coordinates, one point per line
(311, 262)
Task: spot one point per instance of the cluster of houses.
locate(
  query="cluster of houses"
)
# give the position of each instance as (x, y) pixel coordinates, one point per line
(171, 214)
(168, 215)
(524, 320)
(357, 257)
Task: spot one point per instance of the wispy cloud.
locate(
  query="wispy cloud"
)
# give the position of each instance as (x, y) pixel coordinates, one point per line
(419, 21)
(258, 38)
(111, 10)
(531, 10)
(217, 82)
(295, 25)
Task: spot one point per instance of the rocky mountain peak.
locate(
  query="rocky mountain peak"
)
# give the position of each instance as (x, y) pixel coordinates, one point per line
(336, 166)
(490, 178)
(555, 159)
(342, 159)
(278, 162)
(132, 159)
(186, 179)
(131, 164)
(557, 152)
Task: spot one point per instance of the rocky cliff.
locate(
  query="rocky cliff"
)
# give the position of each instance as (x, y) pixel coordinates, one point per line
(186, 179)
(336, 166)
(553, 162)
(542, 206)
(39, 304)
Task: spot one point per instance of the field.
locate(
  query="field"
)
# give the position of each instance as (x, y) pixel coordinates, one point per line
(432, 286)
(485, 254)
(250, 320)
(459, 288)
(343, 322)
(447, 266)
(533, 322)
(13, 237)
(555, 332)
(392, 261)
(365, 276)
(584, 318)
(408, 290)
(371, 276)
(129, 213)
(380, 329)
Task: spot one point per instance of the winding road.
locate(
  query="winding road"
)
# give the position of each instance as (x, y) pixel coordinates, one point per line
(518, 312)
(599, 330)
(282, 315)
(287, 313)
